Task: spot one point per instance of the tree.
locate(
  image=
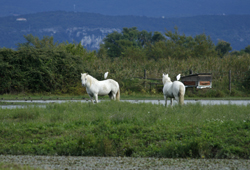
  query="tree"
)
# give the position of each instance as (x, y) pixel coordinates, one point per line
(116, 43)
(182, 46)
(247, 49)
(45, 42)
(144, 37)
(223, 47)
(74, 48)
(203, 46)
(111, 44)
(157, 37)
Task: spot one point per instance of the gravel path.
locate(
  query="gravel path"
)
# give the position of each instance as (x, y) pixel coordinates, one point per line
(114, 163)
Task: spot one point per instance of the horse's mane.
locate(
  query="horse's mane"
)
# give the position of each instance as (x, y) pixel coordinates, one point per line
(165, 79)
(91, 77)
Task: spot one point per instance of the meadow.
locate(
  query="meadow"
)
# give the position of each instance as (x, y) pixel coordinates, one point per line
(114, 129)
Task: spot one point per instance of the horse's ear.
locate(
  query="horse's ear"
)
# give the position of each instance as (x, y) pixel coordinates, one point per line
(163, 75)
(167, 75)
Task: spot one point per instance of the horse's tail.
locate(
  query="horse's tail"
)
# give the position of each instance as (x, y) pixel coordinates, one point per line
(118, 95)
(181, 94)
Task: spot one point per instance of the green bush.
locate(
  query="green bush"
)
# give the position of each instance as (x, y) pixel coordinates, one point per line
(36, 70)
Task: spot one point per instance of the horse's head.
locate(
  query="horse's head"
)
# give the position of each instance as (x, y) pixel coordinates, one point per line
(165, 78)
(84, 79)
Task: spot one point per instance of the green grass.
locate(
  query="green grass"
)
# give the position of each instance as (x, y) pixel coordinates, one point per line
(126, 129)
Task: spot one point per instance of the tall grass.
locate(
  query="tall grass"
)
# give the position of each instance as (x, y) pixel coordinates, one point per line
(125, 69)
(126, 129)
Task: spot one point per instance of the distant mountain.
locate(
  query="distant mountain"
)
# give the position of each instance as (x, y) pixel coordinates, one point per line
(90, 28)
(150, 8)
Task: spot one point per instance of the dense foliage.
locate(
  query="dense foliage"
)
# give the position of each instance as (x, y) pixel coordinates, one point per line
(40, 66)
(157, 45)
(116, 43)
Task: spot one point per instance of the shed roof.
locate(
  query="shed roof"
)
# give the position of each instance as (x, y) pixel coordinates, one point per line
(198, 74)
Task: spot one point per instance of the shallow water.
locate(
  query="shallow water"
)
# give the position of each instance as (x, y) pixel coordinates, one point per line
(203, 102)
(41, 103)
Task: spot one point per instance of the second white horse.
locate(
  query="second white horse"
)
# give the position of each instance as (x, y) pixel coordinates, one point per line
(173, 90)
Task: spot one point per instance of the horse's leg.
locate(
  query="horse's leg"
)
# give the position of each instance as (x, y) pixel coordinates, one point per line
(96, 97)
(114, 96)
(111, 95)
(165, 100)
(91, 98)
(177, 99)
(171, 101)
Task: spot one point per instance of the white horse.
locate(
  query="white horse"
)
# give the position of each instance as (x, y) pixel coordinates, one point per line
(173, 90)
(105, 87)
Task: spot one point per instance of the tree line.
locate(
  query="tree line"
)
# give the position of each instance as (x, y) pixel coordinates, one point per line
(157, 45)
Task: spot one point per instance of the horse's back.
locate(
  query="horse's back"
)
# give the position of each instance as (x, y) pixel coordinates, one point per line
(112, 84)
(172, 89)
(111, 81)
(178, 86)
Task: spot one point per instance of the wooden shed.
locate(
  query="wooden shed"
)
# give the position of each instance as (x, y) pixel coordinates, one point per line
(199, 80)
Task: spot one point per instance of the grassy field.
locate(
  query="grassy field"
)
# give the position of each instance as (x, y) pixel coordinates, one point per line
(126, 129)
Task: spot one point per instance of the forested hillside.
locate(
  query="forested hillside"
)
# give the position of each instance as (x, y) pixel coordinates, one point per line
(90, 29)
